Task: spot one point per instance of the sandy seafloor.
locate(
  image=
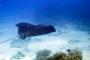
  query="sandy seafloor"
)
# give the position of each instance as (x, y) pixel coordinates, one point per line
(61, 40)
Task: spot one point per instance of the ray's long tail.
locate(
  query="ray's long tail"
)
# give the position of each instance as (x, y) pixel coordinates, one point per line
(9, 39)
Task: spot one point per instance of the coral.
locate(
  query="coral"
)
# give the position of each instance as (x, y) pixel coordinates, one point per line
(72, 55)
(43, 55)
(58, 56)
(75, 54)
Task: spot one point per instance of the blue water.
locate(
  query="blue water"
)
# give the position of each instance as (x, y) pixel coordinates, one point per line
(71, 18)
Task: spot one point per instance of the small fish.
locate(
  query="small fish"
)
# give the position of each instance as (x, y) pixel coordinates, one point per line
(68, 50)
(29, 30)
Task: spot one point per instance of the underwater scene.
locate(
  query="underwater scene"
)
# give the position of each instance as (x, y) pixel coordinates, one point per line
(44, 29)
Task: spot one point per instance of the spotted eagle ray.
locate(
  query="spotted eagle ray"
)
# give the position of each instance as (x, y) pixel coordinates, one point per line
(30, 30)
